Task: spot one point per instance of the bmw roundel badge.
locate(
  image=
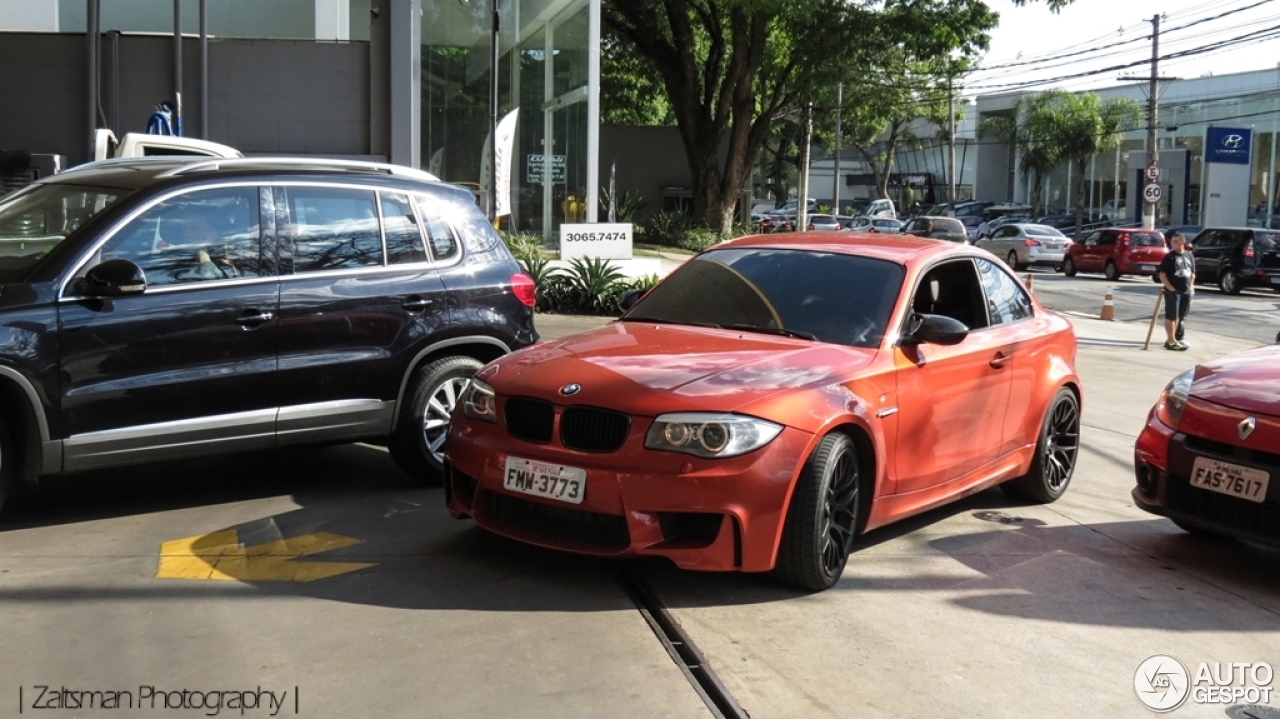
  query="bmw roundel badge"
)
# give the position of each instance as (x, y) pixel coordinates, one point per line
(570, 389)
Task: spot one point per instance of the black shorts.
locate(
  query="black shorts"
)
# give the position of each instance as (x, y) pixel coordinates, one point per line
(1176, 305)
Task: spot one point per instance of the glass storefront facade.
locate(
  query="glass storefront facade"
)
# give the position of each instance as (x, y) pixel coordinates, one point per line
(543, 71)
(1183, 123)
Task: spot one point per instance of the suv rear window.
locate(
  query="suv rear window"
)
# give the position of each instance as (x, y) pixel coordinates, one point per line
(1265, 241)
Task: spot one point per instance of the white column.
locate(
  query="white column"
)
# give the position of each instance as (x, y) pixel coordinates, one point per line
(333, 19)
(593, 109)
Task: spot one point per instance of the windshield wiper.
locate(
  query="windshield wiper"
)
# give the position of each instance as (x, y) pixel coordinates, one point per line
(657, 321)
(773, 331)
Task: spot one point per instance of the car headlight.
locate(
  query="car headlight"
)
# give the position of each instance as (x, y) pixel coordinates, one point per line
(706, 434)
(478, 402)
(1174, 399)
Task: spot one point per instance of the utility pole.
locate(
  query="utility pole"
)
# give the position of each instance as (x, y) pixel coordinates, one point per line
(835, 203)
(951, 145)
(802, 203)
(1153, 149)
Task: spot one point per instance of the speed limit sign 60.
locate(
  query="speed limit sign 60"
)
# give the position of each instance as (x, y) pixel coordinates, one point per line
(1152, 193)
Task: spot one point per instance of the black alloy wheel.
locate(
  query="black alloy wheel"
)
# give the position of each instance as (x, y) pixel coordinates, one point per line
(823, 517)
(1056, 451)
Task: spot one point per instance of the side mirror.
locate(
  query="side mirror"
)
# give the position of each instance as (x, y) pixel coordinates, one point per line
(934, 329)
(113, 278)
(630, 298)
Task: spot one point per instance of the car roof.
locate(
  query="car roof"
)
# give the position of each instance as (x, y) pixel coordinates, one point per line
(136, 173)
(901, 249)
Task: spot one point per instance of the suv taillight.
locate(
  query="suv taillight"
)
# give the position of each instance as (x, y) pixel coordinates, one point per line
(1124, 238)
(1248, 250)
(524, 288)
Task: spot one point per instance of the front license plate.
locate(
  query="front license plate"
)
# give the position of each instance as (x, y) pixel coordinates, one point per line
(1230, 479)
(553, 481)
(1147, 268)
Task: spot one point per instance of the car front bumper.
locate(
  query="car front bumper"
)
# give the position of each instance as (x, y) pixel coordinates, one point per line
(711, 515)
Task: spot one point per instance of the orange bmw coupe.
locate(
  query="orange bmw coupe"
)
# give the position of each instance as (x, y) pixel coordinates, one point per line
(769, 401)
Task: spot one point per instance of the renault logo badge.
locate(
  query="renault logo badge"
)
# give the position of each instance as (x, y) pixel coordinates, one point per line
(1246, 427)
(570, 389)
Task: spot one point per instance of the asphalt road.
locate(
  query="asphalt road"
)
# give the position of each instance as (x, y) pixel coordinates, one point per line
(1253, 315)
(189, 577)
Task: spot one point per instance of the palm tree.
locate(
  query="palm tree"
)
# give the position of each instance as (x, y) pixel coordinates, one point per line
(1035, 132)
(1089, 127)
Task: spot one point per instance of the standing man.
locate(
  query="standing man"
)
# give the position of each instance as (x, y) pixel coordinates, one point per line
(984, 229)
(1178, 275)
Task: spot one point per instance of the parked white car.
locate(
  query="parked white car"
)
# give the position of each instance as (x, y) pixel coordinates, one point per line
(138, 144)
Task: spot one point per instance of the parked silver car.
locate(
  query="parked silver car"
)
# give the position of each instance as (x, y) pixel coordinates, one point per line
(823, 223)
(1024, 244)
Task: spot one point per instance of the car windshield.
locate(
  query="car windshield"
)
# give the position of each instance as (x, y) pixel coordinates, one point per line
(838, 298)
(35, 219)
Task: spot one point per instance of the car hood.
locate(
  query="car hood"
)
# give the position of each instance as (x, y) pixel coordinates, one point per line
(1248, 381)
(647, 369)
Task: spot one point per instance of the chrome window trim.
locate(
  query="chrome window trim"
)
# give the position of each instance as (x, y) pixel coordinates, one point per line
(114, 229)
(453, 232)
(184, 287)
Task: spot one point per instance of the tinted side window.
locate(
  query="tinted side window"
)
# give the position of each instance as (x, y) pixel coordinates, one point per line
(199, 236)
(1107, 238)
(332, 229)
(440, 239)
(404, 242)
(952, 289)
(1006, 302)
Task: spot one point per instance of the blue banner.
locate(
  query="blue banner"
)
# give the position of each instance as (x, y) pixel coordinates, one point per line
(1228, 144)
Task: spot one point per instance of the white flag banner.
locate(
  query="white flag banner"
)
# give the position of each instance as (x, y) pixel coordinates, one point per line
(504, 152)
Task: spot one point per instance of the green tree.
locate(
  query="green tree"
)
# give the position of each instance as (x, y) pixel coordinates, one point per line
(1091, 126)
(630, 94)
(1036, 134)
(731, 68)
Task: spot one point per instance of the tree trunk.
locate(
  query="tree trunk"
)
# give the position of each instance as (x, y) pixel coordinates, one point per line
(1037, 189)
(1081, 181)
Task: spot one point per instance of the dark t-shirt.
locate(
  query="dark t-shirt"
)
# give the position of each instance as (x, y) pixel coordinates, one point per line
(1179, 267)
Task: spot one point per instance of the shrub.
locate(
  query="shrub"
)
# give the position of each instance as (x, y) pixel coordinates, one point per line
(625, 206)
(666, 228)
(592, 285)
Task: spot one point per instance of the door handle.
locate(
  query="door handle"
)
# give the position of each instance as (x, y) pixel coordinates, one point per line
(416, 304)
(254, 318)
(1000, 360)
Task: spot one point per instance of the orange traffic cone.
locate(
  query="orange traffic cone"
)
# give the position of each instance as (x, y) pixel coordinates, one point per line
(1108, 307)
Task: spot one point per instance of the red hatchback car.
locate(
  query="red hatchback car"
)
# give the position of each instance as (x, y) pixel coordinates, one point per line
(1115, 252)
(768, 401)
(1209, 457)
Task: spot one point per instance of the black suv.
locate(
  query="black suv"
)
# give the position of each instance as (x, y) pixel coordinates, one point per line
(165, 308)
(1237, 257)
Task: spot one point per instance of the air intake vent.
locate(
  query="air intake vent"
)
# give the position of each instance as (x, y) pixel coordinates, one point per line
(529, 419)
(593, 430)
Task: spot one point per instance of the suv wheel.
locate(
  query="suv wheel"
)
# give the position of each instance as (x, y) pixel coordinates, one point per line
(1111, 271)
(436, 388)
(1229, 281)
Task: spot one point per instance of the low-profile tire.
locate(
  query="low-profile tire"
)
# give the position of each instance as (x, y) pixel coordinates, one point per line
(1056, 452)
(1069, 267)
(1111, 271)
(418, 444)
(823, 517)
(1012, 260)
(1229, 282)
(1199, 531)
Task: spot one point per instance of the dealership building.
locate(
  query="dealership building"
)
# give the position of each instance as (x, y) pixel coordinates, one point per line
(406, 81)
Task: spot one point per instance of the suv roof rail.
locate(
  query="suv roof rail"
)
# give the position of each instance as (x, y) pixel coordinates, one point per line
(218, 163)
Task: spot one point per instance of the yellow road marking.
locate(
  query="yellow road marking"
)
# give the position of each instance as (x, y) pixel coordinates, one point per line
(221, 556)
